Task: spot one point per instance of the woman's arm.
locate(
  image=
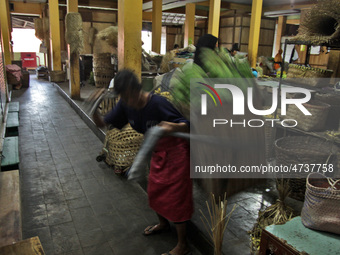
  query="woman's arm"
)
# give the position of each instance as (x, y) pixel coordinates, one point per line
(98, 120)
(170, 127)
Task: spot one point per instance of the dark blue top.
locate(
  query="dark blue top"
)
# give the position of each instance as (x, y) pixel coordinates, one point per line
(156, 110)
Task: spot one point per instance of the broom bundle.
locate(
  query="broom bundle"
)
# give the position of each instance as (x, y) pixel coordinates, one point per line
(278, 213)
(109, 35)
(74, 32)
(39, 30)
(217, 222)
(322, 23)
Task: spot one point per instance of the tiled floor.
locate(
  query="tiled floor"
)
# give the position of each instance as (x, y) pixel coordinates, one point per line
(79, 206)
(73, 203)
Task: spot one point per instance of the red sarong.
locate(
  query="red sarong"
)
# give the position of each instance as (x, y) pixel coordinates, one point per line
(170, 186)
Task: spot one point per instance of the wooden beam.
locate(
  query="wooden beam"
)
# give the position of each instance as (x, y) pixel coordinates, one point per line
(31, 246)
(55, 34)
(27, 8)
(293, 21)
(281, 29)
(156, 25)
(189, 26)
(147, 16)
(5, 32)
(214, 17)
(129, 35)
(254, 31)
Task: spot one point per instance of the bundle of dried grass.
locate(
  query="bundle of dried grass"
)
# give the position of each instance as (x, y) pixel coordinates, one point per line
(278, 213)
(74, 32)
(322, 23)
(217, 222)
(109, 35)
(39, 30)
(92, 35)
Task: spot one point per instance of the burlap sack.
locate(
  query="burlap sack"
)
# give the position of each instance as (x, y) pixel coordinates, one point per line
(321, 209)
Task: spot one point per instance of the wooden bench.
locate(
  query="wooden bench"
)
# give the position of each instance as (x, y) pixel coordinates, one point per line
(10, 209)
(31, 246)
(10, 154)
(12, 125)
(293, 238)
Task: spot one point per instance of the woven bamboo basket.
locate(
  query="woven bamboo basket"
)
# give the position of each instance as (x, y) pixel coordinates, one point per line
(103, 70)
(303, 150)
(122, 146)
(314, 122)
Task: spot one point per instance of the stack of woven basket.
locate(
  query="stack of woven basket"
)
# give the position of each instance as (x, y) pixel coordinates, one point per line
(103, 70)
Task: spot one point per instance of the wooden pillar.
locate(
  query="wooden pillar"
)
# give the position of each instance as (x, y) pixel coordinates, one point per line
(55, 34)
(74, 82)
(189, 27)
(214, 17)
(129, 35)
(5, 31)
(156, 25)
(254, 33)
(281, 29)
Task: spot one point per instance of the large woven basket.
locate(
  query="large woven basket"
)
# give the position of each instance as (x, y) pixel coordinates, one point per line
(314, 122)
(333, 99)
(103, 70)
(57, 76)
(122, 146)
(308, 75)
(303, 150)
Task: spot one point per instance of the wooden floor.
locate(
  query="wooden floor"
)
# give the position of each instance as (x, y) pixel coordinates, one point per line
(31, 246)
(10, 212)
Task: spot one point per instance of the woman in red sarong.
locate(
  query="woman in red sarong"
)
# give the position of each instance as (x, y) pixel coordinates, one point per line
(169, 183)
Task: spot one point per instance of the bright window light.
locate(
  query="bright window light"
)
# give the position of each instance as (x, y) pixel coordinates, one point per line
(24, 40)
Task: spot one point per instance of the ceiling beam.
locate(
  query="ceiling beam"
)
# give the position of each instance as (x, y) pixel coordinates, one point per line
(95, 3)
(169, 4)
(148, 5)
(306, 5)
(27, 8)
(230, 6)
(197, 12)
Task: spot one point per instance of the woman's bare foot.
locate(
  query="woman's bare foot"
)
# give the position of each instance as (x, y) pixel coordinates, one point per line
(156, 229)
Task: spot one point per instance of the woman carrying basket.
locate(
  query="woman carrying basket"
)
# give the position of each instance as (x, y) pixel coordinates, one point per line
(169, 183)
